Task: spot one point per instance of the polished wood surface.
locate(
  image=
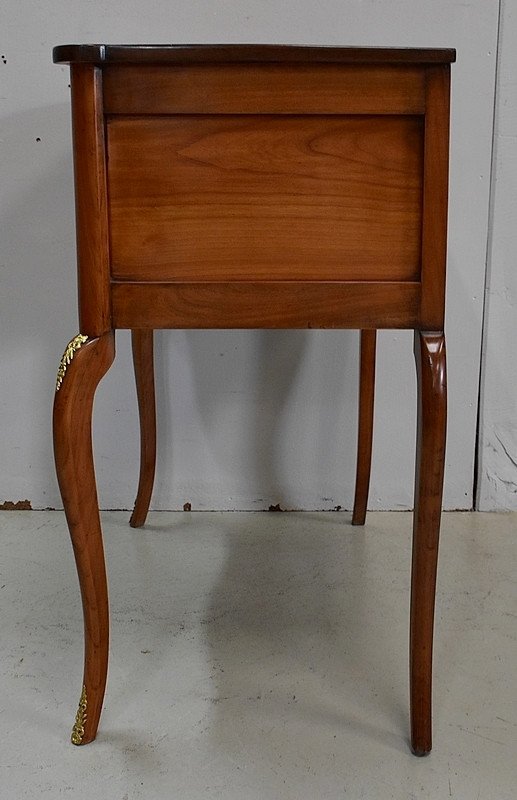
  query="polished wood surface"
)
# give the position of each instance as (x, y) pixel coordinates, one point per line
(256, 186)
(264, 89)
(251, 198)
(91, 201)
(365, 427)
(266, 304)
(436, 179)
(76, 476)
(228, 53)
(143, 361)
(430, 465)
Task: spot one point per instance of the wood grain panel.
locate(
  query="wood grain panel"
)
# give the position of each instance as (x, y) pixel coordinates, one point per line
(264, 89)
(276, 304)
(262, 198)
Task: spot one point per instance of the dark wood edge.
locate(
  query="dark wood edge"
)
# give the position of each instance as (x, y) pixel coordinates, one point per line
(219, 53)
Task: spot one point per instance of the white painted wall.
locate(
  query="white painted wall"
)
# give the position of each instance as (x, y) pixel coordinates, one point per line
(497, 487)
(246, 418)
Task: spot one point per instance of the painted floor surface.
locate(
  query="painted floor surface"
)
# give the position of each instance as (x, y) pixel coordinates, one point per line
(259, 656)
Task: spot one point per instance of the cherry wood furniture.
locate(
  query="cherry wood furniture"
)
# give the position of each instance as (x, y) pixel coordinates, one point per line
(255, 187)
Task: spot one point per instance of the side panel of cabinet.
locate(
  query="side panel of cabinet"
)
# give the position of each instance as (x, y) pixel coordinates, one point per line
(265, 197)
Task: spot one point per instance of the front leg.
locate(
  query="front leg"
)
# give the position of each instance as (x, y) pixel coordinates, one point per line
(430, 464)
(84, 363)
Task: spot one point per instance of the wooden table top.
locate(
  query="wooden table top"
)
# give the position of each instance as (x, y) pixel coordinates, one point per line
(214, 53)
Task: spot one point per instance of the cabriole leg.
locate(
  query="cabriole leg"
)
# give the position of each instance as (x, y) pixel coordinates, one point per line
(84, 363)
(430, 464)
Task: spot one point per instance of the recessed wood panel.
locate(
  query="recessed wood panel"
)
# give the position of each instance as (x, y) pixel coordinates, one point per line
(265, 198)
(264, 89)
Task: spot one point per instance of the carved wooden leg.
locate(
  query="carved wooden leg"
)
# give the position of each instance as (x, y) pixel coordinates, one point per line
(143, 359)
(430, 463)
(84, 363)
(365, 430)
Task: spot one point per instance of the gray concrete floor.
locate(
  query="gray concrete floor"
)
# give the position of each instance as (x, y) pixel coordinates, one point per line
(259, 656)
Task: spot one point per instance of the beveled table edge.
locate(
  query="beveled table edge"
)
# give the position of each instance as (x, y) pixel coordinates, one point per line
(224, 53)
